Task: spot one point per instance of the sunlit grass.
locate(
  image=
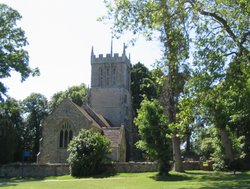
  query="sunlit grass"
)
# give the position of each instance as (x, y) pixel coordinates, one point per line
(190, 179)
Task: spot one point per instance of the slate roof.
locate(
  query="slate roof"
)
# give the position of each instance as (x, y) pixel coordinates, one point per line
(97, 117)
(91, 115)
(114, 134)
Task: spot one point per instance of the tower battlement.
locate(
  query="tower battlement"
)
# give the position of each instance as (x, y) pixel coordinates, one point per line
(110, 57)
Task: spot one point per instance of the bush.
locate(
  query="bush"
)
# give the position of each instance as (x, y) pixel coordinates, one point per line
(88, 152)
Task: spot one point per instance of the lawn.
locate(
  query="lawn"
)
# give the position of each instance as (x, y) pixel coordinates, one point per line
(188, 180)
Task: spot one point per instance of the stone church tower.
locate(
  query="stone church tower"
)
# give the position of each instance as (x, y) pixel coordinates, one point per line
(110, 93)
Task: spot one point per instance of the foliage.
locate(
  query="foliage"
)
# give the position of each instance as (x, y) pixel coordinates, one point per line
(153, 130)
(87, 153)
(77, 94)
(142, 84)
(222, 56)
(12, 124)
(13, 57)
(8, 140)
(217, 94)
(35, 109)
(208, 145)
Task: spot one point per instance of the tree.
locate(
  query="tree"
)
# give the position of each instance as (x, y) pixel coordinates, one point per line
(167, 18)
(78, 94)
(11, 125)
(141, 84)
(35, 109)
(8, 141)
(13, 57)
(154, 132)
(88, 152)
(221, 64)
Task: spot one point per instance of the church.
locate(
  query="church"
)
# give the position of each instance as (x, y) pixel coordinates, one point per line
(108, 110)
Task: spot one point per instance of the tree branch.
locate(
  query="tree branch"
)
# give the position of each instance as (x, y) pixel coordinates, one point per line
(223, 22)
(244, 37)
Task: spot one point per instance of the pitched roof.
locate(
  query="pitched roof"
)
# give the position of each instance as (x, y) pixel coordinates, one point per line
(83, 112)
(114, 134)
(97, 117)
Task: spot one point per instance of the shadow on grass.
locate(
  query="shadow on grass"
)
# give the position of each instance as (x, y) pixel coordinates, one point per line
(97, 176)
(104, 175)
(6, 184)
(10, 182)
(209, 180)
(170, 177)
(227, 181)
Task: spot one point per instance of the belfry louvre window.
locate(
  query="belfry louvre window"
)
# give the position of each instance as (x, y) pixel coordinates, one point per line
(100, 76)
(66, 135)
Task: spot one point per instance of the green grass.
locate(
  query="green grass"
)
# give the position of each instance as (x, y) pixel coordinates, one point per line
(188, 180)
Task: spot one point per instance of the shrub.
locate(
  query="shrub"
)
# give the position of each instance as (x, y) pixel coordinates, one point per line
(88, 152)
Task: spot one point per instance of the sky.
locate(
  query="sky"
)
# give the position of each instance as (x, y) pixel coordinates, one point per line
(61, 34)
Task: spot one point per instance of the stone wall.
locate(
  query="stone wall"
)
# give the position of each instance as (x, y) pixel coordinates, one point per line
(198, 165)
(33, 170)
(44, 170)
(134, 167)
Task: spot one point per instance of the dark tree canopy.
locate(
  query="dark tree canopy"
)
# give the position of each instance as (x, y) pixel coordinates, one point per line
(142, 84)
(11, 125)
(35, 108)
(78, 94)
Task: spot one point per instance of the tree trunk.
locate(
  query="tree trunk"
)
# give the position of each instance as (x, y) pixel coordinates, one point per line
(227, 145)
(188, 146)
(164, 168)
(178, 167)
(171, 53)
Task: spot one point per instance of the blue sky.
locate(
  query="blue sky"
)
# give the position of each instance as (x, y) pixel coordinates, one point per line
(60, 35)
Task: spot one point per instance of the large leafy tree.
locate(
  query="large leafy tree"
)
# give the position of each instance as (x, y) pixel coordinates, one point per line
(154, 133)
(217, 92)
(167, 18)
(78, 94)
(13, 56)
(35, 109)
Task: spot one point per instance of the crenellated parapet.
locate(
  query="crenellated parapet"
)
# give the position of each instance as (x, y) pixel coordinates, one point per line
(110, 57)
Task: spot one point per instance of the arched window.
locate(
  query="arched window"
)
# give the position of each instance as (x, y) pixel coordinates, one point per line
(65, 136)
(100, 76)
(61, 139)
(113, 76)
(107, 76)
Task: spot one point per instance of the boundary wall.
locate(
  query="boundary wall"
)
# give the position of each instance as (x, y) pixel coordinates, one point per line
(44, 170)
